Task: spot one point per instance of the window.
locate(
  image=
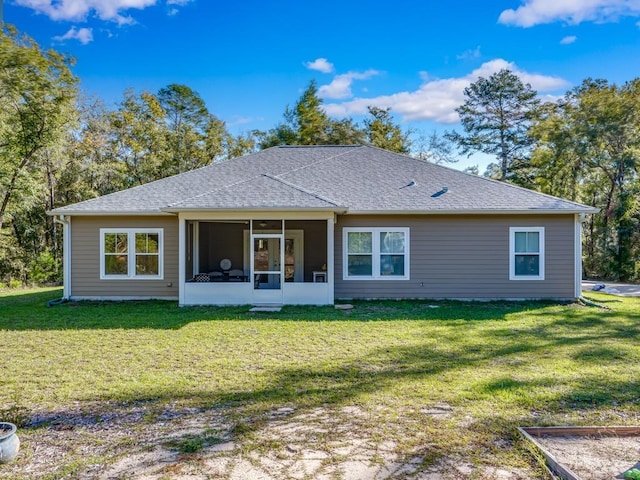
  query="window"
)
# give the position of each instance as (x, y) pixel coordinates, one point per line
(131, 253)
(376, 253)
(526, 253)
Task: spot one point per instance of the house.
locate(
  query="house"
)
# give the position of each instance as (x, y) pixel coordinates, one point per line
(312, 224)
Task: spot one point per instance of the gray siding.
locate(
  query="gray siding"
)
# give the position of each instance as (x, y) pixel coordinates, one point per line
(454, 256)
(85, 258)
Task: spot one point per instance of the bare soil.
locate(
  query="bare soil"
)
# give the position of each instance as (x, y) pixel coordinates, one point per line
(595, 457)
(187, 443)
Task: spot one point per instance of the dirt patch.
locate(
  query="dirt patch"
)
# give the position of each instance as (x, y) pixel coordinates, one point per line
(595, 457)
(143, 442)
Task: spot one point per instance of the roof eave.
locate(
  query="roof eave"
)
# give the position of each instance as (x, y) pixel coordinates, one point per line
(174, 210)
(110, 213)
(474, 211)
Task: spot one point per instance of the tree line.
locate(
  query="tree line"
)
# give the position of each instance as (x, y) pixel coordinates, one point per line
(58, 147)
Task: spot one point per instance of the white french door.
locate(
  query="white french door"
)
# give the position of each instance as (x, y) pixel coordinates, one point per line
(267, 263)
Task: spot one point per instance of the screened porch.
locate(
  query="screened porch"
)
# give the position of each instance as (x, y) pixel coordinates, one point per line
(257, 261)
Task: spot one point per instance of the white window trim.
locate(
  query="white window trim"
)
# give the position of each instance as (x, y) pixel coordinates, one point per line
(131, 256)
(375, 252)
(512, 253)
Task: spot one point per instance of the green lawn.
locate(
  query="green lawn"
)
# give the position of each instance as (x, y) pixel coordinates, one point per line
(497, 365)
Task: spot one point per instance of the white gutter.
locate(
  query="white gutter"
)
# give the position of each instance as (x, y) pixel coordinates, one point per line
(66, 255)
(472, 212)
(249, 210)
(102, 213)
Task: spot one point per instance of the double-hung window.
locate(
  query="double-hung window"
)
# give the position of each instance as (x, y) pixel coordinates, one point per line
(376, 253)
(131, 253)
(526, 253)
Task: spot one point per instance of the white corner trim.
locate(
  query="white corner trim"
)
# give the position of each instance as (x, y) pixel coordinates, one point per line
(66, 255)
(577, 248)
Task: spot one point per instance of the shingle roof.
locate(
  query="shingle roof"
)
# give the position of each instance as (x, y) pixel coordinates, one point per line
(343, 178)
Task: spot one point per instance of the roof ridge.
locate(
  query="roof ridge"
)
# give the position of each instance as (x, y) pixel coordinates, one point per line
(300, 189)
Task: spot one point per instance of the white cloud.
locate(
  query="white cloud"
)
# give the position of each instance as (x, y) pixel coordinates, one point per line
(320, 65)
(340, 86)
(535, 12)
(437, 99)
(83, 35)
(77, 10)
(568, 40)
(469, 54)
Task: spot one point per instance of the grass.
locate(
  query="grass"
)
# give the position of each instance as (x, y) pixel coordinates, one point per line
(497, 365)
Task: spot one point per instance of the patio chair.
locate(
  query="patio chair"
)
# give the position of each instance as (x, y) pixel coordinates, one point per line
(215, 276)
(236, 275)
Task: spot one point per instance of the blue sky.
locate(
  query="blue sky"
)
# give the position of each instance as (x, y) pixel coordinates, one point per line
(249, 59)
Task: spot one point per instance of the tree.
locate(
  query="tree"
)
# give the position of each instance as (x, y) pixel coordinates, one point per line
(382, 132)
(308, 124)
(589, 151)
(37, 94)
(139, 138)
(434, 148)
(189, 126)
(496, 117)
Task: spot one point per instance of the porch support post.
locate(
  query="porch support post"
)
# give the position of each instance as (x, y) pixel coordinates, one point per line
(330, 260)
(182, 249)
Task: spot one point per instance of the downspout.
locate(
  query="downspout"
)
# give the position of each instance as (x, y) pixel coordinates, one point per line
(66, 258)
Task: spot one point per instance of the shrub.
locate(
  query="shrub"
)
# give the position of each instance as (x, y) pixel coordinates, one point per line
(13, 283)
(45, 269)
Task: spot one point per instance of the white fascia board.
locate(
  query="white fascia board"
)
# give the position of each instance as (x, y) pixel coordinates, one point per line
(102, 213)
(248, 211)
(256, 215)
(470, 212)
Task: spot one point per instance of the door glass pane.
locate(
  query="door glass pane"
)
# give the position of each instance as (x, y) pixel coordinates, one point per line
(266, 254)
(266, 281)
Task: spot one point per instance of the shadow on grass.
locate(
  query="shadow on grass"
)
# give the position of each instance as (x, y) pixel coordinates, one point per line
(248, 412)
(28, 311)
(384, 368)
(578, 328)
